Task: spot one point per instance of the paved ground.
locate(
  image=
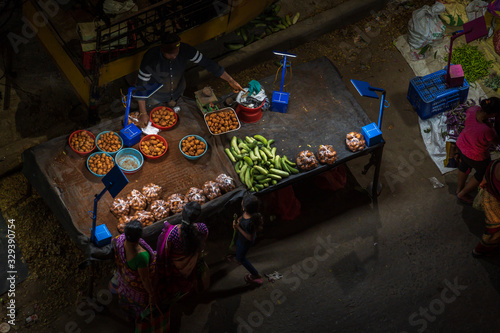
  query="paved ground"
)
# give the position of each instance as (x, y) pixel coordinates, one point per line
(402, 266)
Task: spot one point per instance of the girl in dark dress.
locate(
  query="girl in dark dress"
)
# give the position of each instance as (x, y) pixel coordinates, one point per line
(247, 226)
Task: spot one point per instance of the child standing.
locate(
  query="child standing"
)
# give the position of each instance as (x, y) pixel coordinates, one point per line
(247, 226)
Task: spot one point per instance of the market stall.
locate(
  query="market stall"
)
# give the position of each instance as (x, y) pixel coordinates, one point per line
(321, 111)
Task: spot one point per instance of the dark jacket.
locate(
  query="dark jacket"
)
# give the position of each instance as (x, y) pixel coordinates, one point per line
(155, 68)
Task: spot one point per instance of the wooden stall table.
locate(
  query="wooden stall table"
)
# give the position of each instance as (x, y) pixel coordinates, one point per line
(321, 111)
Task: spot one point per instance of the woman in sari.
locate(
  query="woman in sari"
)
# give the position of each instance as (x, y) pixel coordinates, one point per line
(136, 264)
(180, 250)
(490, 240)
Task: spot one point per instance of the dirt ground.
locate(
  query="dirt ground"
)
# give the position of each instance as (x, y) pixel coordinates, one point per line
(401, 266)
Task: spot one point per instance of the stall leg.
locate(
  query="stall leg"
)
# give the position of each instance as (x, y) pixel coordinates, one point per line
(93, 115)
(377, 155)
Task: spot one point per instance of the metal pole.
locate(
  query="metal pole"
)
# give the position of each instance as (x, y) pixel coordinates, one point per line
(378, 162)
(381, 111)
(382, 102)
(283, 74)
(94, 215)
(127, 109)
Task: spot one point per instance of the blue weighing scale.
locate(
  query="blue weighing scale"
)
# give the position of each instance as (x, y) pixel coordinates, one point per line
(372, 132)
(131, 134)
(114, 182)
(279, 102)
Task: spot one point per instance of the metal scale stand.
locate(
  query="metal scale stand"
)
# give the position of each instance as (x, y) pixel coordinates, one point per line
(279, 102)
(131, 134)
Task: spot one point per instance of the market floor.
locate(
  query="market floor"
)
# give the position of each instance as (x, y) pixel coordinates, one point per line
(401, 266)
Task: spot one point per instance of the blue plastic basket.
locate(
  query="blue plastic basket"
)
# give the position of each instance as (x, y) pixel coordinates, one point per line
(189, 157)
(129, 160)
(430, 95)
(98, 153)
(110, 153)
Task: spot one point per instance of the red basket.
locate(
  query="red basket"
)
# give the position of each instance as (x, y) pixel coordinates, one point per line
(78, 152)
(109, 55)
(249, 115)
(163, 128)
(147, 138)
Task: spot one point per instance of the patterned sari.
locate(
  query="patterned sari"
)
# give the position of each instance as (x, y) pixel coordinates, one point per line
(132, 296)
(179, 272)
(491, 203)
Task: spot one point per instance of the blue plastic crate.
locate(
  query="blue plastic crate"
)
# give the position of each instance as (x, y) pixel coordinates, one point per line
(430, 95)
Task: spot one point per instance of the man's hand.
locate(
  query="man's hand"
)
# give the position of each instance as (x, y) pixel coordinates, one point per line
(143, 120)
(235, 85)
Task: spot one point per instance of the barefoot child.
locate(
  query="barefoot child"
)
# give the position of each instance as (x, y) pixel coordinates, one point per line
(247, 226)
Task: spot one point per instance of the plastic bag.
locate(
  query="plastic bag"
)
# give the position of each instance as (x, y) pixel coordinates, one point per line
(355, 141)
(475, 9)
(115, 7)
(425, 26)
(436, 183)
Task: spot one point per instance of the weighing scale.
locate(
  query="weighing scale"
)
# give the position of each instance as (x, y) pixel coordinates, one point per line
(279, 102)
(131, 134)
(114, 182)
(472, 30)
(371, 132)
(206, 99)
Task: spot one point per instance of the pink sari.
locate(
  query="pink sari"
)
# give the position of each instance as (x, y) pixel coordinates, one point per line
(179, 272)
(132, 295)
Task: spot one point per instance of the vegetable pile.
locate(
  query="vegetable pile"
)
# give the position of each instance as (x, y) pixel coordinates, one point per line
(151, 204)
(355, 141)
(222, 121)
(473, 62)
(82, 142)
(192, 146)
(109, 142)
(153, 146)
(163, 117)
(455, 121)
(306, 160)
(263, 25)
(100, 163)
(492, 82)
(256, 162)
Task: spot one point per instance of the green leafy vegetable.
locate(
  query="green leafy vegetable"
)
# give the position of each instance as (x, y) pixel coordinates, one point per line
(493, 82)
(473, 62)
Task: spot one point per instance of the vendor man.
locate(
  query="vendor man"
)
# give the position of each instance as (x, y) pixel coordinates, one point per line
(166, 64)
